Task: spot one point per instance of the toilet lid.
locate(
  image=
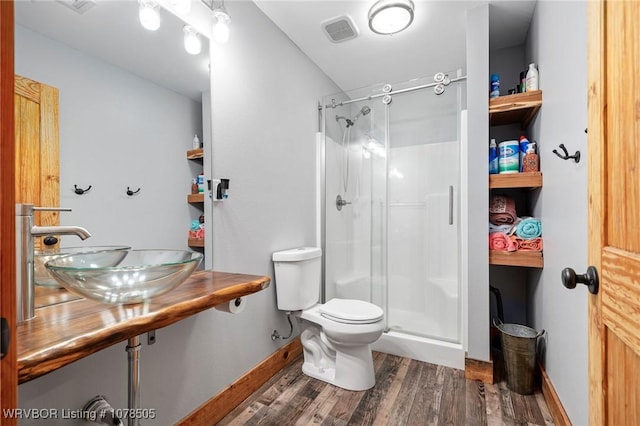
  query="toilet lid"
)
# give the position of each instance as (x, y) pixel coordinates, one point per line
(351, 311)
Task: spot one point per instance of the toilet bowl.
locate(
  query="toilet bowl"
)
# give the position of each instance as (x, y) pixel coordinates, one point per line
(336, 335)
(336, 349)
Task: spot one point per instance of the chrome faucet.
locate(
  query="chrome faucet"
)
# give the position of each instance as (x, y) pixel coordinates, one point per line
(25, 233)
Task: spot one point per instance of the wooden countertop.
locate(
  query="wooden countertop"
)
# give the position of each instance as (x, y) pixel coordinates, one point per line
(66, 332)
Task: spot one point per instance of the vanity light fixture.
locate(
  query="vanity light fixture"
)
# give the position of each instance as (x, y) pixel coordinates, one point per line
(181, 7)
(390, 16)
(221, 20)
(192, 43)
(149, 13)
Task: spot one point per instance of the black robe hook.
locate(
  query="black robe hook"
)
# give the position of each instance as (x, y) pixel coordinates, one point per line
(131, 192)
(566, 156)
(80, 191)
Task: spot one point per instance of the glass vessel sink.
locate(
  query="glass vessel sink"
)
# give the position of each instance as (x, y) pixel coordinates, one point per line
(44, 279)
(139, 276)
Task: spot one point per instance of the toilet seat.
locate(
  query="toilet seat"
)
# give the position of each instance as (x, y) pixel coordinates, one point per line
(351, 311)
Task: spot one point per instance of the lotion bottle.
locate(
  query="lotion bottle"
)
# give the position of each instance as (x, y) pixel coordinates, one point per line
(532, 78)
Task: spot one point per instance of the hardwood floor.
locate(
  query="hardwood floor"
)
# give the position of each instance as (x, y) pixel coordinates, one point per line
(407, 392)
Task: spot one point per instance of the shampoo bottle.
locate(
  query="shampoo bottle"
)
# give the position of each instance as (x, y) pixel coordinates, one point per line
(196, 142)
(532, 78)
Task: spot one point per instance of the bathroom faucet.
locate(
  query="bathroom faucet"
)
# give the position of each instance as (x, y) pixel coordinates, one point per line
(26, 232)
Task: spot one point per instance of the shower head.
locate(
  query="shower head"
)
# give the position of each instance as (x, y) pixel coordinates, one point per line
(363, 111)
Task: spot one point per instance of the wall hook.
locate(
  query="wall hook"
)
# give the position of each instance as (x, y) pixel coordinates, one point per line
(131, 192)
(566, 156)
(80, 191)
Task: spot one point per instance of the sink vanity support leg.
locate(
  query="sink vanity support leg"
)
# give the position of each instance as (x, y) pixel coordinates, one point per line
(133, 356)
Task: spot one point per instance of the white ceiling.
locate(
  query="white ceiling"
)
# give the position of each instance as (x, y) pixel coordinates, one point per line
(434, 42)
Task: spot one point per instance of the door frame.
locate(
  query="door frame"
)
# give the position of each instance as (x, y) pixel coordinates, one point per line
(8, 369)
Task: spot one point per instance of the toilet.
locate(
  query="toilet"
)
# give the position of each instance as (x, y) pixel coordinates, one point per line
(336, 336)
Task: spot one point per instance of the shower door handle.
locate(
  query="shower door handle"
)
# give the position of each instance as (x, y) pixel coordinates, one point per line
(450, 204)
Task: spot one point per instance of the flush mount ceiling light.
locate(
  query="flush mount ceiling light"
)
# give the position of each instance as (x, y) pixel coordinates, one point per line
(149, 13)
(390, 16)
(192, 43)
(221, 20)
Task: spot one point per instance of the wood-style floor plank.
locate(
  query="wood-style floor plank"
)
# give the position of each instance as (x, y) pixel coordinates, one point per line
(407, 392)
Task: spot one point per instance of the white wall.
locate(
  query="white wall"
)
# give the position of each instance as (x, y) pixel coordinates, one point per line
(477, 189)
(117, 130)
(557, 43)
(265, 94)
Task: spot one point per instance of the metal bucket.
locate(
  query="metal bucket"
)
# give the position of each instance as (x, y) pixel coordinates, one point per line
(519, 351)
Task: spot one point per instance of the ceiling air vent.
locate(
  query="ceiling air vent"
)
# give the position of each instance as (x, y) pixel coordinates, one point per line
(80, 6)
(340, 29)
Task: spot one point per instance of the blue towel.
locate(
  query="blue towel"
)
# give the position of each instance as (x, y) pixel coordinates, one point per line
(529, 228)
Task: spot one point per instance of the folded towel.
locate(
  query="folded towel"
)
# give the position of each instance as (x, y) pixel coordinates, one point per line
(529, 228)
(502, 210)
(534, 244)
(501, 241)
(505, 229)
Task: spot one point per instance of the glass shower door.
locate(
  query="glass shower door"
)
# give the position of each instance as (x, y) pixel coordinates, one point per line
(354, 171)
(422, 239)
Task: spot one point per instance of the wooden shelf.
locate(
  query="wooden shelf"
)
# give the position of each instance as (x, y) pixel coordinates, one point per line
(195, 198)
(196, 242)
(518, 108)
(516, 180)
(531, 259)
(194, 154)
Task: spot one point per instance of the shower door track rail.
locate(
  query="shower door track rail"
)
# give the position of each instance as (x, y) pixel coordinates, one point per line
(392, 92)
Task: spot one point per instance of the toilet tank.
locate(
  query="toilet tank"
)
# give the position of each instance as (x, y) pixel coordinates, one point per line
(298, 277)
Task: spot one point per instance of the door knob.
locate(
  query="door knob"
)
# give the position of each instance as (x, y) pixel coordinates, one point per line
(570, 279)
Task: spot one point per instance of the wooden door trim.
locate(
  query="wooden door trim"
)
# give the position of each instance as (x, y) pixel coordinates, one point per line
(596, 196)
(8, 371)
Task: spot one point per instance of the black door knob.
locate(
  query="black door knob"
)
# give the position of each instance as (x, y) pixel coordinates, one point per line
(570, 279)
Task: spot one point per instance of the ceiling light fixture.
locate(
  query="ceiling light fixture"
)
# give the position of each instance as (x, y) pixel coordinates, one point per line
(390, 16)
(149, 13)
(181, 7)
(192, 43)
(221, 20)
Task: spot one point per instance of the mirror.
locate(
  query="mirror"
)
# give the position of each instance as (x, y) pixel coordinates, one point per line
(130, 102)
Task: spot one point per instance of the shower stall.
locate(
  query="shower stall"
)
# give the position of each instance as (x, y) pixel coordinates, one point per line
(390, 190)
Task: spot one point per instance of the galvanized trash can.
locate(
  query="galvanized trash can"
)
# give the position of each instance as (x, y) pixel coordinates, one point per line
(519, 351)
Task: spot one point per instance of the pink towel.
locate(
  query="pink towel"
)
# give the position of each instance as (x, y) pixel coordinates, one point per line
(502, 210)
(501, 241)
(534, 244)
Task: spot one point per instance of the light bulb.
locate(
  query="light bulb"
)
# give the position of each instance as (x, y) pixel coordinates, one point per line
(192, 43)
(181, 7)
(149, 13)
(221, 22)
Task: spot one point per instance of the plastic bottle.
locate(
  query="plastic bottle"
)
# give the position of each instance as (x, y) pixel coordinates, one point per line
(522, 83)
(531, 159)
(532, 78)
(196, 142)
(523, 145)
(201, 183)
(494, 90)
(493, 157)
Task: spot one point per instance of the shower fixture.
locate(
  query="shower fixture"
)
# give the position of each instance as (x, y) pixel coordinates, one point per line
(363, 111)
(346, 136)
